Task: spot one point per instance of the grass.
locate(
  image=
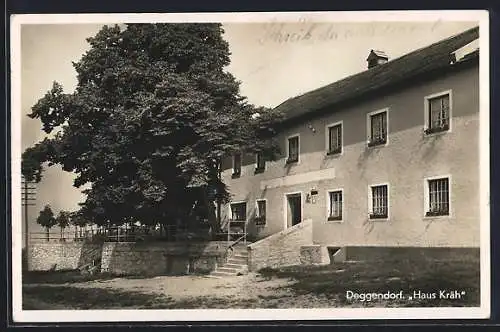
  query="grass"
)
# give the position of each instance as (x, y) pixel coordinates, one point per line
(316, 286)
(69, 297)
(61, 277)
(427, 276)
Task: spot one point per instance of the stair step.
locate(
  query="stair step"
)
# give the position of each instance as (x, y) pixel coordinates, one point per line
(235, 265)
(239, 256)
(239, 261)
(222, 274)
(227, 269)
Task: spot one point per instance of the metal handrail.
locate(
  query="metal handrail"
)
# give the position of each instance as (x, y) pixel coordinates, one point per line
(242, 237)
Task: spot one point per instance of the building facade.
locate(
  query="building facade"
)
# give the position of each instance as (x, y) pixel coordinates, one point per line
(386, 157)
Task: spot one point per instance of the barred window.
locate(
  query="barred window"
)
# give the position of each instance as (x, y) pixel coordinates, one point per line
(293, 149)
(335, 139)
(239, 211)
(260, 213)
(335, 210)
(380, 208)
(439, 197)
(378, 129)
(439, 114)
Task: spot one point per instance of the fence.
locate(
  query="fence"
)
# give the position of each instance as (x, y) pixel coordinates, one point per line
(129, 233)
(232, 231)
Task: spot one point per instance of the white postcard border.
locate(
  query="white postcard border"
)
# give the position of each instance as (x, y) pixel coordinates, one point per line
(44, 316)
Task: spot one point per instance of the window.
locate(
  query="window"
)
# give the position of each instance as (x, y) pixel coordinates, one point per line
(260, 212)
(379, 202)
(377, 128)
(236, 165)
(239, 211)
(335, 205)
(334, 139)
(293, 149)
(439, 197)
(438, 113)
(260, 162)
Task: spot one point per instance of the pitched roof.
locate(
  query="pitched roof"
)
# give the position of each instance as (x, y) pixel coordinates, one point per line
(422, 61)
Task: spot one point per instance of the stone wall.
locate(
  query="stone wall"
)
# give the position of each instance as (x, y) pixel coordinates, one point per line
(62, 256)
(314, 255)
(162, 258)
(280, 249)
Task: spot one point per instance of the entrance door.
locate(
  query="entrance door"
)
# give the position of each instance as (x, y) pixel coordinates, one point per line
(294, 213)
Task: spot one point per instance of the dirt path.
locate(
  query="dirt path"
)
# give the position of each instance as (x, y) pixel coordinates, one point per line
(245, 291)
(178, 287)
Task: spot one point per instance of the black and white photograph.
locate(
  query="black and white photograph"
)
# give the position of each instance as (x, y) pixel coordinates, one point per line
(221, 166)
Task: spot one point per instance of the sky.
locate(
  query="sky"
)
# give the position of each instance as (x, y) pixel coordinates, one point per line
(273, 61)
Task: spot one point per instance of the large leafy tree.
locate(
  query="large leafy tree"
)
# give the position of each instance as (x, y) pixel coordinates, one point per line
(152, 116)
(47, 220)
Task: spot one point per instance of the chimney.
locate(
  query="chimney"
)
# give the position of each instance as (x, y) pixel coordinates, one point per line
(376, 58)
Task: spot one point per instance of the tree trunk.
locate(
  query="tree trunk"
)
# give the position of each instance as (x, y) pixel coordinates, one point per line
(47, 233)
(211, 216)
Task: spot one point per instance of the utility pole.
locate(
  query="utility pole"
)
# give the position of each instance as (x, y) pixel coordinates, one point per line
(28, 198)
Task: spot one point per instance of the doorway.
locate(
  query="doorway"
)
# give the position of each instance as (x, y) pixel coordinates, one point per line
(293, 209)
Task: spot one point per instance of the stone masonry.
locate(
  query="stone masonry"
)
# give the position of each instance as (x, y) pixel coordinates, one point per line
(280, 249)
(162, 258)
(62, 256)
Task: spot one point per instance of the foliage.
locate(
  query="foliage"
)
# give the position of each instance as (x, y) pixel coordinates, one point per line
(152, 116)
(63, 219)
(46, 218)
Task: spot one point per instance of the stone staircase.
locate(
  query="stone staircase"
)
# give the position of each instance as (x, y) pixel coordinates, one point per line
(237, 263)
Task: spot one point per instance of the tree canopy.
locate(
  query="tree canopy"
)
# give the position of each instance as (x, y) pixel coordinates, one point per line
(152, 116)
(46, 218)
(63, 219)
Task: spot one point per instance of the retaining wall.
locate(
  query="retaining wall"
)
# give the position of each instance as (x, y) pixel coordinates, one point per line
(62, 256)
(162, 258)
(280, 249)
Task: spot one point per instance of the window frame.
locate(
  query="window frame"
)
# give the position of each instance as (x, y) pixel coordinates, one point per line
(257, 168)
(236, 174)
(288, 160)
(264, 223)
(231, 210)
(370, 202)
(427, 198)
(328, 127)
(427, 129)
(328, 218)
(369, 142)
(285, 206)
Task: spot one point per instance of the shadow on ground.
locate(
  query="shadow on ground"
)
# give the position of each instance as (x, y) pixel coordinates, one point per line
(425, 276)
(37, 297)
(310, 287)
